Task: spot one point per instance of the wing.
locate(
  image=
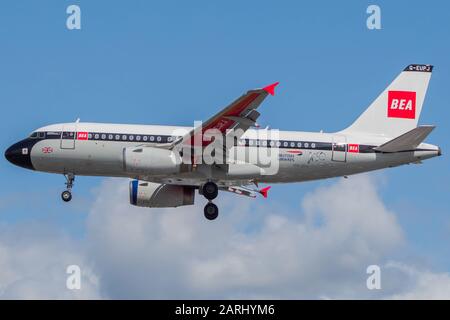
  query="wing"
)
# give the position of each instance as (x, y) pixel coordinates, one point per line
(239, 187)
(241, 114)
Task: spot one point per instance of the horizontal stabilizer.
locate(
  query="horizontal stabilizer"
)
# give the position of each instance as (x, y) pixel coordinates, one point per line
(407, 141)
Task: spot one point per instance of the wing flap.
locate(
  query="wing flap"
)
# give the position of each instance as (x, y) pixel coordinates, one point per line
(240, 191)
(243, 191)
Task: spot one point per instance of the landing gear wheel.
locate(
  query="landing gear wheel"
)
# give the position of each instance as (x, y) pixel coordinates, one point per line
(210, 190)
(211, 211)
(66, 196)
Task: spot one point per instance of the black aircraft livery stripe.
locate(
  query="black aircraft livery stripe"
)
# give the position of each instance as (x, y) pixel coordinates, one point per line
(146, 138)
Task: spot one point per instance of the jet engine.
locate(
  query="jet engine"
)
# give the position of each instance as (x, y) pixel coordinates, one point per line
(155, 195)
(148, 160)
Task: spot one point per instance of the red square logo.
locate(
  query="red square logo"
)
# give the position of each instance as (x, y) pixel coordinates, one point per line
(354, 148)
(82, 135)
(402, 104)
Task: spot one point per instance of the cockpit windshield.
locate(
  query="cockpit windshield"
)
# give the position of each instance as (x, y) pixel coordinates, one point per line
(37, 134)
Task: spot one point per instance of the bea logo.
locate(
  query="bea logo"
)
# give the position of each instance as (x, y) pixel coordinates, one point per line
(353, 148)
(82, 136)
(402, 104)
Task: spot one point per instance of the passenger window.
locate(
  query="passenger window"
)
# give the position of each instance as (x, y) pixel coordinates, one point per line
(67, 135)
(339, 147)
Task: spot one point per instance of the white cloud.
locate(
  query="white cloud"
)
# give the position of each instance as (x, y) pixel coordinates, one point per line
(165, 253)
(33, 262)
(319, 248)
(422, 284)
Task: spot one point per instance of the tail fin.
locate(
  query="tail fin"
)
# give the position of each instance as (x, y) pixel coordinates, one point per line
(397, 109)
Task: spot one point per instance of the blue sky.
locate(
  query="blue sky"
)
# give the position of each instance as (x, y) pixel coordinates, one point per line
(173, 62)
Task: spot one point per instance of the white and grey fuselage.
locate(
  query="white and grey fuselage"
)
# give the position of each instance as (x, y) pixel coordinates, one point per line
(97, 149)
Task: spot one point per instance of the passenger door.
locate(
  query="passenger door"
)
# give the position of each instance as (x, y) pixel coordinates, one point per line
(339, 148)
(68, 136)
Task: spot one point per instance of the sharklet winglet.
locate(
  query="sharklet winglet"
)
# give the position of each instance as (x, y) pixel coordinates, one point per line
(264, 191)
(270, 89)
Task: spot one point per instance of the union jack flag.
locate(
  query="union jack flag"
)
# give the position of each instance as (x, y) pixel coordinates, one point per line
(47, 150)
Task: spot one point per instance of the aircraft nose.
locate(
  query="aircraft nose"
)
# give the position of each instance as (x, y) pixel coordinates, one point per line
(19, 155)
(9, 154)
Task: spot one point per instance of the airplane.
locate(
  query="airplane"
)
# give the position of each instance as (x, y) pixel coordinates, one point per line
(167, 164)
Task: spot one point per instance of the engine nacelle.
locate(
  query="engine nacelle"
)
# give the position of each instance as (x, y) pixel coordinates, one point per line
(148, 160)
(155, 195)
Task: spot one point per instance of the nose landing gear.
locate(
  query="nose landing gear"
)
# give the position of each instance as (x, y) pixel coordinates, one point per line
(66, 195)
(210, 190)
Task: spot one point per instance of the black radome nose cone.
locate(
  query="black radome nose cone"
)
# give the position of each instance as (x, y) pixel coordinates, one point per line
(9, 155)
(19, 154)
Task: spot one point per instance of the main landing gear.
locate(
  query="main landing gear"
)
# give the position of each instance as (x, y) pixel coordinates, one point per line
(210, 190)
(66, 195)
(211, 211)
